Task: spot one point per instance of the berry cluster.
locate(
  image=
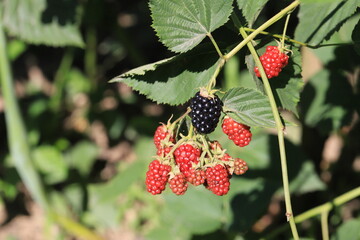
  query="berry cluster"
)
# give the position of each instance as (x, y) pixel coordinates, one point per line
(205, 112)
(194, 158)
(273, 60)
(239, 133)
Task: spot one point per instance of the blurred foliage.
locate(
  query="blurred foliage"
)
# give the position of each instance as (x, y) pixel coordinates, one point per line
(91, 140)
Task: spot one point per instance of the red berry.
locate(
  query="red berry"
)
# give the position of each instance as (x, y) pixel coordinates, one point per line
(185, 156)
(217, 179)
(160, 134)
(196, 177)
(239, 133)
(273, 60)
(240, 166)
(157, 177)
(178, 184)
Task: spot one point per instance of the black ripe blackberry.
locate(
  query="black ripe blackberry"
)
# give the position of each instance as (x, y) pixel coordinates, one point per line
(205, 112)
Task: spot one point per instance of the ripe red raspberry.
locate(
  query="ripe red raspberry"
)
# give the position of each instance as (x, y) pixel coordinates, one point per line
(160, 134)
(240, 166)
(273, 60)
(217, 179)
(178, 184)
(239, 133)
(196, 177)
(185, 155)
(157, 177)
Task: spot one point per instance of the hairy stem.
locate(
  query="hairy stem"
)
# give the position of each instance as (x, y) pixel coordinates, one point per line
(268, 23)
(279, 127)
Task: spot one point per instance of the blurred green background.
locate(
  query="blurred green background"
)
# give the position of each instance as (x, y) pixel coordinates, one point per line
(91, 141)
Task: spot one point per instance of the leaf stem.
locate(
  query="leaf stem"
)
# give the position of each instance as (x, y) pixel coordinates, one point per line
(212, 82)
(268, 23)
(284, 32)
(280, 128)
(277, 36)
(354, 193)
(215, 45)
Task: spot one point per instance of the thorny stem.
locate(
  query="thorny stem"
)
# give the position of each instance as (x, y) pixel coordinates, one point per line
(279, 127)
(268, 23)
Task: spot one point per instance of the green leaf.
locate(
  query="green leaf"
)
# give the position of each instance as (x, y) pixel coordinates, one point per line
(248, 106)
(251, 9)
(183, 24)
(199, 211)
(318, 20)
(348, 230)
(50, 162)
(173, 80)
(327, 101)
(164, 232)
(307, 180)
(49, 22)
(355, 36)
(82, 156)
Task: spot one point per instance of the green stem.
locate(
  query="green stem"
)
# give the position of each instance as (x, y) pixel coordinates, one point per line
(75, 228)
(288, 39)
(325, 225)
(279, 127)
(277, 36)
(17, 136)
(215, 45)
(212, 82)
(354, 193)
(284, 31)
(268, 23)
(329, 205)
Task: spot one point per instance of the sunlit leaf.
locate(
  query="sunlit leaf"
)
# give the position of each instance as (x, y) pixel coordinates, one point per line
(183, 24)
(174, 80)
